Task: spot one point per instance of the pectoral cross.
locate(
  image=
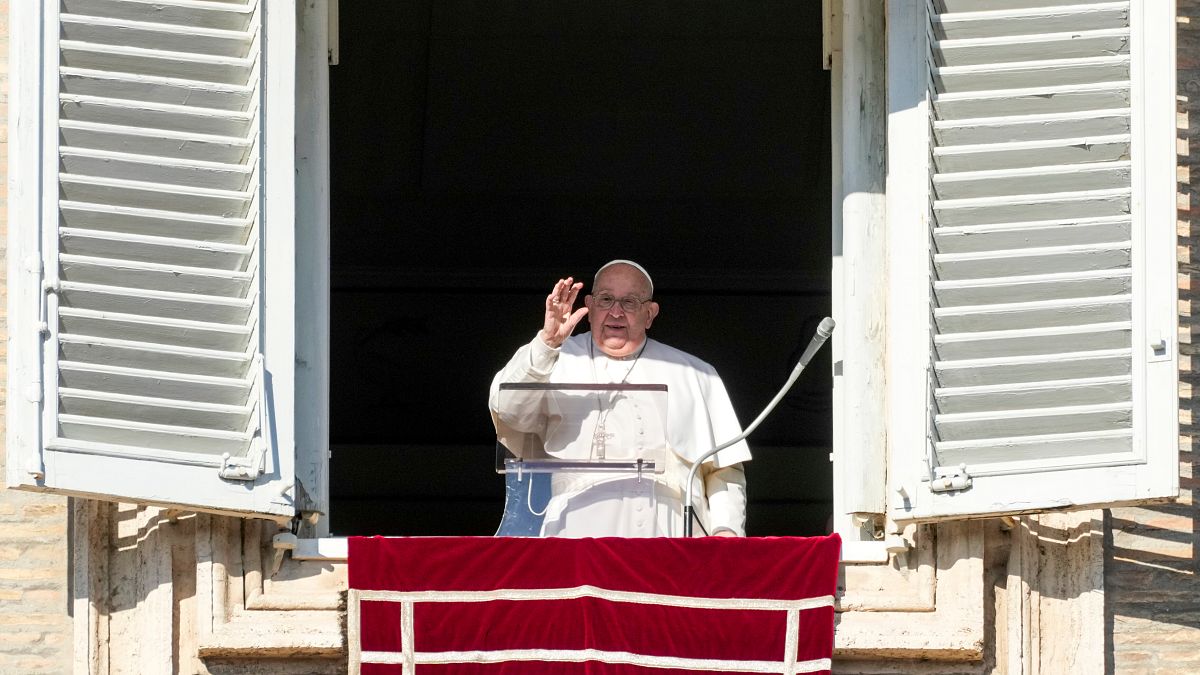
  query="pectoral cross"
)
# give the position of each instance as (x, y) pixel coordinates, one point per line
(600, 440)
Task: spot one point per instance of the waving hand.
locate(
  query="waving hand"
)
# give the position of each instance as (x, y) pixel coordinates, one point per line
(561, 315)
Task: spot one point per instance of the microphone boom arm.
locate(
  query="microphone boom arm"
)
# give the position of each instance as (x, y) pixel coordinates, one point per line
(824, 330)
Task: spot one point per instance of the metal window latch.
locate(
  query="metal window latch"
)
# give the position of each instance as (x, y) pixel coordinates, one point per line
(950, 479)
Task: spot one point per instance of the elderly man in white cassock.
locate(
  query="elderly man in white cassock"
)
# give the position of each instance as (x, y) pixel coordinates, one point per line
(620, 309)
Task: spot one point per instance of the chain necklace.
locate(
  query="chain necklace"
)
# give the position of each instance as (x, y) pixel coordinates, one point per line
(600, 435)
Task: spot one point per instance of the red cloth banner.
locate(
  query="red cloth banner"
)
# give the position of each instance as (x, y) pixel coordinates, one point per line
(509, 605)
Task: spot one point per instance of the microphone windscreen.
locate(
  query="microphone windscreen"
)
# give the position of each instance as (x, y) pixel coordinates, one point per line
(826, 327)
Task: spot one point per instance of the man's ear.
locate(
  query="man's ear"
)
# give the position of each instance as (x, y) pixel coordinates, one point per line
(587, 301)
(653, 306)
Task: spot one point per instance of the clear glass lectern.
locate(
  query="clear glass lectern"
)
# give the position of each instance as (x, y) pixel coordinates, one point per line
(567, 448)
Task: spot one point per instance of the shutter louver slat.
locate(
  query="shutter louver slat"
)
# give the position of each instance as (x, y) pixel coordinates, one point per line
(155, 411)
(147, 195)
(1032, 288)
(236, 16)
(945, 6)
(1083, 124)
(1030, 223)
(1040, 314)
(1026, 369)
(1020, 262)
(165, 116)
(1112, 446)
(171, 278)
(135, 87)
(179, 252)
(1031, 21)
(158, 245)
(232, 177)
(1037, 341)
(995, 424)
(1075, 44)
(151, 356)
(1021, 395)
(158, 304)
(151, 222)
(1024, 154)
(98, 30)
(165, 437)
(157, 142)
(1050, 73)
(182, 332)
(1032, 100)
(151, 62)
(138, 382)
(1077, 178)
(1041, 234)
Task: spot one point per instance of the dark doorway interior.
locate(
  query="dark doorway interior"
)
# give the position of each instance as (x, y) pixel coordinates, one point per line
(482, 149)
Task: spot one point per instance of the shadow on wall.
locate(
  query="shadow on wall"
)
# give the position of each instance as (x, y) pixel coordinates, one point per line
(1152, 561)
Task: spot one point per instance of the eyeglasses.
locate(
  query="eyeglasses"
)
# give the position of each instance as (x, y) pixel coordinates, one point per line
(628, 303)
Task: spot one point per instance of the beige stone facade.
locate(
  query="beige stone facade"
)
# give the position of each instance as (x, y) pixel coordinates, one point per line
(1152, 591)
(158, 591)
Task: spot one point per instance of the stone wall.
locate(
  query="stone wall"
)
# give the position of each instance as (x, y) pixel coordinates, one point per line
(1151, 562)
(35, 626)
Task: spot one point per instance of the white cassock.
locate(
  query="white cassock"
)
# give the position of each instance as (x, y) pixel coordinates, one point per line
(699, 417)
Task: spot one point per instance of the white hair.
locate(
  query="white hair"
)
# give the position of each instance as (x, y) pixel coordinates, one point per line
(624, 262)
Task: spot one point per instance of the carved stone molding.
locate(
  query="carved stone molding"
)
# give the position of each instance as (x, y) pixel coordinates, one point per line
(243, 611)
(928, 604)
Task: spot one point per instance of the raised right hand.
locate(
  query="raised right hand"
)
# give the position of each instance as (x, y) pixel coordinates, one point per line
(561, 315)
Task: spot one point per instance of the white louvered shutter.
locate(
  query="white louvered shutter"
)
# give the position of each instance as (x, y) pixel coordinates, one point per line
(1048, 273)
(165, 168)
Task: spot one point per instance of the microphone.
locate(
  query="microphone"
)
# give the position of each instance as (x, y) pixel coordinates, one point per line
(824, 330)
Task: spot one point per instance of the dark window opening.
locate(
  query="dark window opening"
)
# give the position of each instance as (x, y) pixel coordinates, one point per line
(480, 150)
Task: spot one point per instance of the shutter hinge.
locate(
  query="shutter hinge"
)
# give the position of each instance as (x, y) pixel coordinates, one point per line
(950, 479)
(248, 467)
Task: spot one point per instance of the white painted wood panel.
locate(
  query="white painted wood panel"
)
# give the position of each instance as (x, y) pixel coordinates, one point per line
(101, 30)
(1031, 100)
(81, 81)
(1025, 369)
(185, 13)
(1030, 127)
(1042, 245)
(1020, 262)
(169, 184)
(166, 277)
(1003, 49)
(1034, 287)
(132, 220)
(1047, 73)
(986, 5)
(161, 330)
(1035, 234)
(1050, 341)
(113, 379)
(1033, 20)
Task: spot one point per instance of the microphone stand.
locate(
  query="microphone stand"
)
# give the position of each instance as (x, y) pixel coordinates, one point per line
(824, 330)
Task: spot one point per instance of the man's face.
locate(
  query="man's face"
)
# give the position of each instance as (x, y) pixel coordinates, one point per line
(616, 331)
